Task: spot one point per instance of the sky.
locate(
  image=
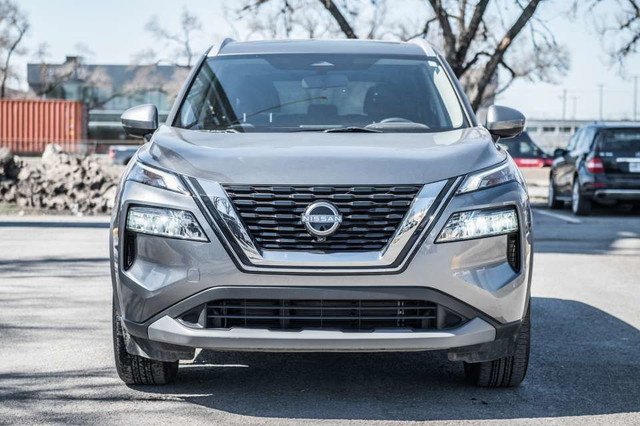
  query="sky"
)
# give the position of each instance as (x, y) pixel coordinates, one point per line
(114, 32)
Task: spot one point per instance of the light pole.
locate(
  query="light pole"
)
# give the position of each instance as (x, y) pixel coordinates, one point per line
(600, 87)
(635, 97)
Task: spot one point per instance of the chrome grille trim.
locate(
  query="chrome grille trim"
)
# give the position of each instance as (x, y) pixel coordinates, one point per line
(392, 258)
(371, 214)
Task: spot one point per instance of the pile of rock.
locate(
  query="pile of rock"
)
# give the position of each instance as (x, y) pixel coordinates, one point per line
(62, 182)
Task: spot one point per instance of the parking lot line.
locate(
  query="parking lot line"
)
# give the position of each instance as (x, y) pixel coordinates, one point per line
(560, 216)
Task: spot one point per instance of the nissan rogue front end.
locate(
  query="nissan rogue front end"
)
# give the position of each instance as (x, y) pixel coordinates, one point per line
(311, 196)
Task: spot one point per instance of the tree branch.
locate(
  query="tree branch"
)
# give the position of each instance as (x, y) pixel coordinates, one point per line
(473, 61)
(12, 48)
(345, 27)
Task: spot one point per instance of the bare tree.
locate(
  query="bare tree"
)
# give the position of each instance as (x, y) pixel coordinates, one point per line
(458, 44)
(311, 18)
(180, 44)
(98, 87)
(51, 76)
(481, 39)
(145, 76)
(13, 27)
(618, 21)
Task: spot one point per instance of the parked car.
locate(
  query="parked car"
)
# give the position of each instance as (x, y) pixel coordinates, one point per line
(525, 152)
(601, 163)
(311, 196)
(122, 154)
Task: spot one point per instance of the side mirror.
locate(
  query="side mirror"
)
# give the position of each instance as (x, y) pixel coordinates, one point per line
(559, 152)
(140, 121)
(503, 122)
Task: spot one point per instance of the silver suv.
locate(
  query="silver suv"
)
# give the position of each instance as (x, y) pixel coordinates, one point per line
(311, 196)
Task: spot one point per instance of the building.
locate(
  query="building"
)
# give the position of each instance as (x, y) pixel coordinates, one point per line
(552, 134)
(107, 90)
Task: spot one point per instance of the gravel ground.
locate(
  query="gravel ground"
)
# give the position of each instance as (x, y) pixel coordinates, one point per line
(57, 362)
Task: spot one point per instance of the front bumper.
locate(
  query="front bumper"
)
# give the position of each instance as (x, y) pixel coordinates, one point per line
(168, 275)
(169, 330)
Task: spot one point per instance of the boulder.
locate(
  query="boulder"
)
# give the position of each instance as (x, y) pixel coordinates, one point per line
(10, 165)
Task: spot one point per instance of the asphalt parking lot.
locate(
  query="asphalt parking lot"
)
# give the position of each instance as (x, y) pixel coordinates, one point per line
(56, 362)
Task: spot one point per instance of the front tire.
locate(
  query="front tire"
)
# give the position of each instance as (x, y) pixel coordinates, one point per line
(137, 370)
(505, 372)
(580, 205)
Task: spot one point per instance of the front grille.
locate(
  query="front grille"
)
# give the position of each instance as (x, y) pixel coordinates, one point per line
(347, 315)
(371, 214)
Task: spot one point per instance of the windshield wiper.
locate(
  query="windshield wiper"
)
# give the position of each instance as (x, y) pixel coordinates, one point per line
(272, 107)
(227, 130)
(351, 129)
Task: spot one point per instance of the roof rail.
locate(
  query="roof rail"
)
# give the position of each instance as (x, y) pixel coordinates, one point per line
(428, 49)
(216, 48)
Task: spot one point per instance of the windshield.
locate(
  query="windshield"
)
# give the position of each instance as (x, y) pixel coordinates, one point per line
(319, 92)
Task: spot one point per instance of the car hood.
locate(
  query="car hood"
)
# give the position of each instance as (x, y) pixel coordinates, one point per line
(321, 158)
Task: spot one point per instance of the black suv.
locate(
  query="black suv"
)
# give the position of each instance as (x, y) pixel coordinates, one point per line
(601, 163)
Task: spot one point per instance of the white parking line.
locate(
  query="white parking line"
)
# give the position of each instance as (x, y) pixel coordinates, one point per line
(560, 216)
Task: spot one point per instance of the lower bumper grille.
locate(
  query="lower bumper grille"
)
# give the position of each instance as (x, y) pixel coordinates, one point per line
(347, 315)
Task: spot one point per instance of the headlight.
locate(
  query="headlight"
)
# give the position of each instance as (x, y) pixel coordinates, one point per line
(165, 223)
(505, 172)
(158, 178)
(479, 223)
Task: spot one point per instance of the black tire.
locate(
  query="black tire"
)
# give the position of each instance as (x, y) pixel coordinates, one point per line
(580, 205)
(137, 370)
(553, 201)
(504, 372)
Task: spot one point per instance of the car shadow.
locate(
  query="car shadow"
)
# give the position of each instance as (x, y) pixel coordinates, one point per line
(606, 231)
(45, 223)
(597, 210)
(583, 362)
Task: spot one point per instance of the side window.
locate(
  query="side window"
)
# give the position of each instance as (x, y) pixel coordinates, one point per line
(526, 149)
(448, 95)
(574, 140)
(584, 144)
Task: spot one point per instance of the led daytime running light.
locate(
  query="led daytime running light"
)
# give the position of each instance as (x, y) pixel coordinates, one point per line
(478, 224)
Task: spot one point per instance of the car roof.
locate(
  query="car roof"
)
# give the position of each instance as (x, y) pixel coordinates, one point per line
(232, 47)
(613, 124)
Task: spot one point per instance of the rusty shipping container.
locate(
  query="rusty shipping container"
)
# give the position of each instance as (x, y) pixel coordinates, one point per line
(28, 125)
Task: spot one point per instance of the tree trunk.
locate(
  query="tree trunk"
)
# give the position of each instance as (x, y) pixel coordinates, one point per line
(492, 66)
